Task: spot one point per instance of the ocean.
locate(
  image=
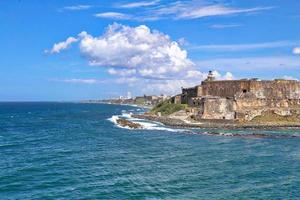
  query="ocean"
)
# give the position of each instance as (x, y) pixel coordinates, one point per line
(76, 151)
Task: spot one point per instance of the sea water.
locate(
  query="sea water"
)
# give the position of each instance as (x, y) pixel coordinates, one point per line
(77, 151)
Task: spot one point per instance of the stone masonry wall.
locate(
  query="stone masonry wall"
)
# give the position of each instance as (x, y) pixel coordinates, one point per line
(218, 108)
(285, 89)
(225, 88)
(243, 99)
(277, 89)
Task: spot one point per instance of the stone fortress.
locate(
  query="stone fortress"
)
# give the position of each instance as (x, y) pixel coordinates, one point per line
(241, 100)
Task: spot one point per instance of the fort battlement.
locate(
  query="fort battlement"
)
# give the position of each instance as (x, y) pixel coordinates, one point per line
(241, 99)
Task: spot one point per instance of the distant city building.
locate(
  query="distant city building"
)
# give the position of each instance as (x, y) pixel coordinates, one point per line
(129, 96)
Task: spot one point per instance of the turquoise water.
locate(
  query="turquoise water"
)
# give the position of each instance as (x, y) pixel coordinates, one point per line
(72, 151)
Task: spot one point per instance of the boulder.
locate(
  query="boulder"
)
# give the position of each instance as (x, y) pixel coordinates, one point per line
(127, 123)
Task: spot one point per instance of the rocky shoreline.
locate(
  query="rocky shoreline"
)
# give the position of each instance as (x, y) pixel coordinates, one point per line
(128, 124)
(178, 123)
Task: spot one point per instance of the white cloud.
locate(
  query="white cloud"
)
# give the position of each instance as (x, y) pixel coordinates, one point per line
(138, 56)
(62, 45)
(82, 81)
(127, 80)
(252, 63)
(195, 74)
(222, 26)
(183, 41)
(289, 78)
(168, 87)
(228, 76)
(140, 4)
(121, 72)
(113, 15)
(77, 7)
(199, 9)
(296, 50)
(244, 47)
(215, 10)
(180, 10)
(151, 53)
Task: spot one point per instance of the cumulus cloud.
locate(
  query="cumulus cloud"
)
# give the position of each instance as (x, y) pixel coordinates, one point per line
(151, 53)
(296, 50)
(183, 41)
(139, 56)
(195, 74)
(168, 87)
(62, 45)
(289, 77)
(226, 76)
(113, 15)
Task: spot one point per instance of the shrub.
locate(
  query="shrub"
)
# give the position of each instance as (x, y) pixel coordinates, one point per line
(167, 108)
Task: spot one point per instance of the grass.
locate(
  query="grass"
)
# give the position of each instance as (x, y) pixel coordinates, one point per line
(270, 117)
(167, 108)
(140, 101)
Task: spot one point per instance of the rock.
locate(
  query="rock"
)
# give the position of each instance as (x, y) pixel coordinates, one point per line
(126, 123)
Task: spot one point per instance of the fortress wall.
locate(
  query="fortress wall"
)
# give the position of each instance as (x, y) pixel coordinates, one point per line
(199, 91)
(218, 108)
(225, 88)
(277, 89)
(188, 93)
(243, 99)
(245, 103)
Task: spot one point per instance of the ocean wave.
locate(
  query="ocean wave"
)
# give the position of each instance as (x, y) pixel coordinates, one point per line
(127, 115)
(146, 125)
(155, 126)
(114, 120)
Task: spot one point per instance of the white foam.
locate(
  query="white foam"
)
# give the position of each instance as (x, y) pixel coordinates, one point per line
(146, 125)
(127, 115)
(114, 119)
(154, 126)
(226, 134)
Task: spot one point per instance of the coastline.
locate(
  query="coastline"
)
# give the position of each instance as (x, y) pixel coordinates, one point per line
(208, 124)
(119, 104)
(178, 123)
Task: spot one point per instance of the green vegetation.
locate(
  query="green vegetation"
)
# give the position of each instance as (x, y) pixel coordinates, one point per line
(140, 101)
(167, 108)
(270, 117)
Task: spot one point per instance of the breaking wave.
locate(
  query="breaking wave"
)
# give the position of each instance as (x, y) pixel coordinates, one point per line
(146, 125)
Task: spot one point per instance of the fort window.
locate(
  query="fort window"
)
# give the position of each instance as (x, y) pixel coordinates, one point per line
(244, 90)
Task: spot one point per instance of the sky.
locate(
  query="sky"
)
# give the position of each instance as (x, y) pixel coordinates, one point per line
(64, 50)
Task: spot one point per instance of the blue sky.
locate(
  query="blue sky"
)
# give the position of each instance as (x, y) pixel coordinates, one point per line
(72, 50)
